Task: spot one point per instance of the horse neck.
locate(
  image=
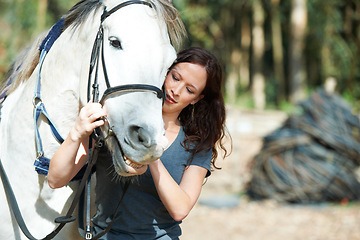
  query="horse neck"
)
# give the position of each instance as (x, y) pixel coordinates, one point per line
(68, 60)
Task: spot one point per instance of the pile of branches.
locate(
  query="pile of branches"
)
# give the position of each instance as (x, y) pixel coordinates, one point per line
(313, 157)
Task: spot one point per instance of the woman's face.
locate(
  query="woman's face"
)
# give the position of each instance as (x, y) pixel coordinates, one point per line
(184, 85)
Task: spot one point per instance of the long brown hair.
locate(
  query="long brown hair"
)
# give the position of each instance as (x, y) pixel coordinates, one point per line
(204, 122)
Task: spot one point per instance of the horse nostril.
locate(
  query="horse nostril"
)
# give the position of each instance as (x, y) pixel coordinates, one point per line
(140, 136)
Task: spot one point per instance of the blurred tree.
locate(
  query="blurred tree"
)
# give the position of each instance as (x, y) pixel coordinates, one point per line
(258, 39)
(291, 55)
(278, 53)
(238, 43)
(21, 21)
(41, 15)
(245, 46)
(297, 71)
(333, 46)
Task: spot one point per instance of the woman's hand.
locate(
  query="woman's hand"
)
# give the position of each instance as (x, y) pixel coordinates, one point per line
(87, 121)
(72, 153)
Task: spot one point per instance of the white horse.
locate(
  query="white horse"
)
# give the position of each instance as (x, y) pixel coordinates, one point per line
(137, 49)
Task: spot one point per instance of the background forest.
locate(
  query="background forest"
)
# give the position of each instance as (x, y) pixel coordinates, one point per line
(274, 52)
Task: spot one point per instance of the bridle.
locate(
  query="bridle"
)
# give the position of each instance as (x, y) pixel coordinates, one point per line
(94, 63)
(122, 89)
(101, 135)
(104, 132)
(117, 90)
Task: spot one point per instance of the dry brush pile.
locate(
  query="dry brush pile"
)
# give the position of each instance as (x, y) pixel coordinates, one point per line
(313, 157)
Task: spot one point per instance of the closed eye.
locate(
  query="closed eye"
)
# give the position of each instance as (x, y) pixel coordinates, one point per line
(174, 77)
(116, 43)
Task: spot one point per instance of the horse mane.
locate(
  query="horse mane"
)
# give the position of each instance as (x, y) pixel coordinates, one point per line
(171, 16)
(26, 62)
(23, 66)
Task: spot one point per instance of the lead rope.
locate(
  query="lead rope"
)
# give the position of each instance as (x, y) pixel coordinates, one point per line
(88, 233)
(110, 224)
(14, 207)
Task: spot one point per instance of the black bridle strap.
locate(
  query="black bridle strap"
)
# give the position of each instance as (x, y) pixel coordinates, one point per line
(121, 5)
(106, 76)
(99, 44)
(103, 17)
(131, 88)
(94, 62)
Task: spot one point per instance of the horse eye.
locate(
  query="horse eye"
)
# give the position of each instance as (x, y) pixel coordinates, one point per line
(115, 43)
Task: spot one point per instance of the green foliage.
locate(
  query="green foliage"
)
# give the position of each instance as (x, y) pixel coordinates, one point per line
(198, 19)
(271, 91)
(19, 25)
(353, 98)
(332, 45)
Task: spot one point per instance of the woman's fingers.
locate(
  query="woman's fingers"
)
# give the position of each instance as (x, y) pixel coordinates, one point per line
(96, 115)
(97, 123)
(91, 112)
(92, 108)
(90, 117)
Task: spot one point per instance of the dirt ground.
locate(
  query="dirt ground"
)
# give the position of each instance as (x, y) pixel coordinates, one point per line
(224, 212)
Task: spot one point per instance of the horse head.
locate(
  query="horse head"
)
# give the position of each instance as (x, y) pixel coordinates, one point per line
(136, 50)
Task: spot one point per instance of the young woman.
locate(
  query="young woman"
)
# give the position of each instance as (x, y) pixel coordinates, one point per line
(167, 189)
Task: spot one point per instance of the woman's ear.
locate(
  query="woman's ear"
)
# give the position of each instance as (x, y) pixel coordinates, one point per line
(197, 99)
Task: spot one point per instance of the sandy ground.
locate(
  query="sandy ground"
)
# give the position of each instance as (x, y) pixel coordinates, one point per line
(224, 212)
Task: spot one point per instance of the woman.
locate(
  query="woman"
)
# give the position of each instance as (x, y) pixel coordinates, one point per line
(166, 190)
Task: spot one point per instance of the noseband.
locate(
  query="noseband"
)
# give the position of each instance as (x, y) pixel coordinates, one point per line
(94, 64)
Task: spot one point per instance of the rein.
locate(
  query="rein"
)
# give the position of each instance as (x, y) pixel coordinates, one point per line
(39, 108)
(14, 207)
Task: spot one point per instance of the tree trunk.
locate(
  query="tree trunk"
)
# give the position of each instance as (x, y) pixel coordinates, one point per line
(297, 76)
(350, 83)
(258, 84)
(233, 76)
(231, 52)
(277, 46)
(245, 51)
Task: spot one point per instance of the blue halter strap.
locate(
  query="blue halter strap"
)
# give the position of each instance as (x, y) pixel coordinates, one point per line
(41, 162)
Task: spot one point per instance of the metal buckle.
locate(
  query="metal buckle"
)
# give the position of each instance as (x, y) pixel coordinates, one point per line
(88, 236)
(36, 102)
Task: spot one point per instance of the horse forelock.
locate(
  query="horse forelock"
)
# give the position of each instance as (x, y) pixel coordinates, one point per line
(167, 12)
(79, 13)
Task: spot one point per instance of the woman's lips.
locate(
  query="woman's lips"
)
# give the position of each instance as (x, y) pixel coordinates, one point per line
(169, 99)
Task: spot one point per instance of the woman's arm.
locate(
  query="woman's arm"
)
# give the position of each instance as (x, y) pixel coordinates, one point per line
(72, 153)
(178, 199)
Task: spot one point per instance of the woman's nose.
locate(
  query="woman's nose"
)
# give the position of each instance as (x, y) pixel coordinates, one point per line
(176, 90)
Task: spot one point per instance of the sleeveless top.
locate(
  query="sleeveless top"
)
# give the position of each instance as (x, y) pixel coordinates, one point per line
(142, 215)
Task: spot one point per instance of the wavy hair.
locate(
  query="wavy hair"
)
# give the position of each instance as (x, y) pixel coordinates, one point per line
(204, 122)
